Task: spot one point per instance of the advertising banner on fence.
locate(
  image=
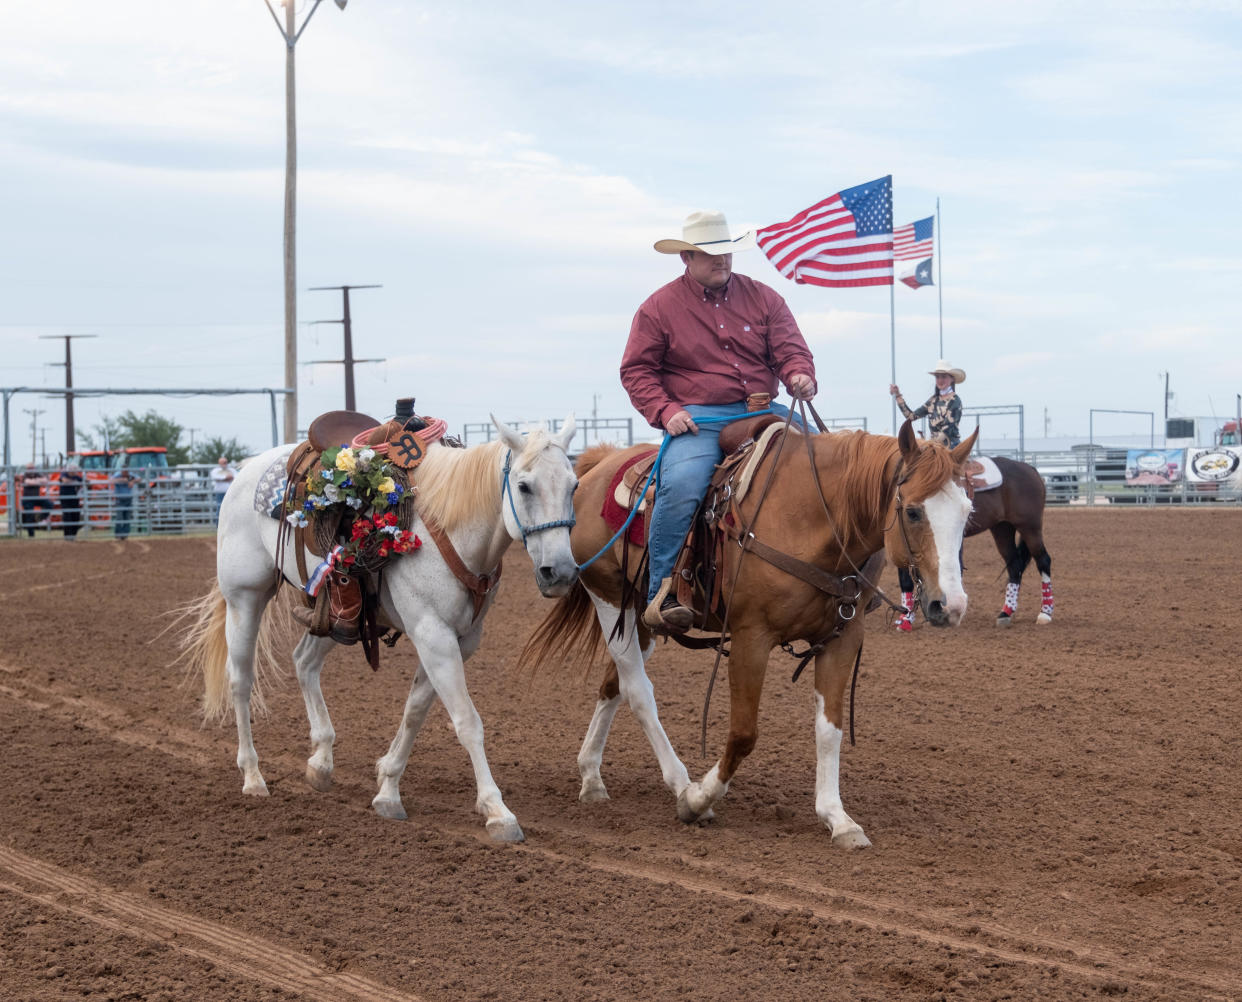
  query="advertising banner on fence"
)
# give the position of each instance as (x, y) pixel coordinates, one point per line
(1154, 466)
(1215, 465)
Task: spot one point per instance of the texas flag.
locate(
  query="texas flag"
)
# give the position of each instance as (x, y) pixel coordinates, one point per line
(922, 275)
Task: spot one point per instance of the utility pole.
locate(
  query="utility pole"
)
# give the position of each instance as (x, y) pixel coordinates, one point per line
(68, 364)
(34, 431)
(291, 33)
(348, 361)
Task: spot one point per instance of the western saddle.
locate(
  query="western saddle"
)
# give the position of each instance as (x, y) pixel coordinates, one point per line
(346, 608)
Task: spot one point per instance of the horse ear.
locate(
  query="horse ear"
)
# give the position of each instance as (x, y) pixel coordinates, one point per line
(567, 432)
(905, 439)
(511, 438)
(962, 452)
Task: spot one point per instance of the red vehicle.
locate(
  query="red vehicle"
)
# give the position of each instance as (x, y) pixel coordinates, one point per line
(1228, 434)
(150, 462)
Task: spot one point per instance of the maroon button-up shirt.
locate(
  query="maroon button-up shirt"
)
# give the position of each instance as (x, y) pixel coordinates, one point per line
(693, 345)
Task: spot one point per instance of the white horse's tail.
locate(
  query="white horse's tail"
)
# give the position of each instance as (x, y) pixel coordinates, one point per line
(205, 649)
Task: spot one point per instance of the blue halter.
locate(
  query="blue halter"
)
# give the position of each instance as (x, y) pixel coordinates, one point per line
(507, 489)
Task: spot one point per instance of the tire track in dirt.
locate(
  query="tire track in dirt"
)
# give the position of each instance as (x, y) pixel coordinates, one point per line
(991, 940)
(27, 589)
(242, 954)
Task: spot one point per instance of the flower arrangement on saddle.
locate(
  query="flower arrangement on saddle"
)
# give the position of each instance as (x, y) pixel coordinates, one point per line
(359, 486)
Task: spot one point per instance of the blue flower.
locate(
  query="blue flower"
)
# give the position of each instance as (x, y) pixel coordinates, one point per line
(308, 505)
(326, 474)
(395, 496)
(347, 482)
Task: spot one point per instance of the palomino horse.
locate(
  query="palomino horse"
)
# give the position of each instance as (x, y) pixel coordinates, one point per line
(484, 497)
(865, 482)
(1014, 514)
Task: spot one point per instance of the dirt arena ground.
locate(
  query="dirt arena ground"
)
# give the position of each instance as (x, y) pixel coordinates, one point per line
(1055, 810)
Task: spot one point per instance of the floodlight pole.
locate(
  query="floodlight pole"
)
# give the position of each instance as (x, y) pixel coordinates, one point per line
(291, 33)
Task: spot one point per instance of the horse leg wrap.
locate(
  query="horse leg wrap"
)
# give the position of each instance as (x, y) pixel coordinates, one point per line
(1046, 602)
(1011, 599)
(907, 599)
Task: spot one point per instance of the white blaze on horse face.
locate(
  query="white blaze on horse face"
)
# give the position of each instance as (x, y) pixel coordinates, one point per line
(947, 511)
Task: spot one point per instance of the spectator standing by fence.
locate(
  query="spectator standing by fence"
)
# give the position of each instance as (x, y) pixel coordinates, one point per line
(32, 484)
(70, 491)
(123, 494)
(221, 477)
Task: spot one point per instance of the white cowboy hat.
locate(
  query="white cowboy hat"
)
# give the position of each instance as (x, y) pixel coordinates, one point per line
(706, 231)
(944, 368)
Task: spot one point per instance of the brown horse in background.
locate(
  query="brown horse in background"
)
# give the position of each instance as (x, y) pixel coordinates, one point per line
(865, 484)
(1014, 514)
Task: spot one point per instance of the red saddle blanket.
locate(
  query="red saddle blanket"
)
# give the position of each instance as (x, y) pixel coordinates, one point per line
(614, 514)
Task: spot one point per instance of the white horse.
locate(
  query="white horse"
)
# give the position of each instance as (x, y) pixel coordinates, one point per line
(484, 497)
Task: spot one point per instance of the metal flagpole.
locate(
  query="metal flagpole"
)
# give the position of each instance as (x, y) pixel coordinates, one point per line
(892, 321)
(939, 275)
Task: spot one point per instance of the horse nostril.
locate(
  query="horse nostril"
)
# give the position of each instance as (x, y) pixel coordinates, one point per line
(547, 573)
(935, 610)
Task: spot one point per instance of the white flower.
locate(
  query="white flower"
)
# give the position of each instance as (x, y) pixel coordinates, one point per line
(364, 459)
(296, 519)
(354, 503)
(332, 493)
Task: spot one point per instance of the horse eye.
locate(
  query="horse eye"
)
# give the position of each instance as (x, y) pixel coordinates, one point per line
(523, 487)
(914, 514)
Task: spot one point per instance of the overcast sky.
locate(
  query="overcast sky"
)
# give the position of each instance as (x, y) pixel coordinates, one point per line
(502, 170)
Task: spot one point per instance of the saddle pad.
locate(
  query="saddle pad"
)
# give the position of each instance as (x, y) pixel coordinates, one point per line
(983, 472)
(615, 514)
(762, 445)
(633, 476)
(271, 489)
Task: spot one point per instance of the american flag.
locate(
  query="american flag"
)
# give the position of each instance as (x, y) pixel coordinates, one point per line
(914, 240)
(845, 240)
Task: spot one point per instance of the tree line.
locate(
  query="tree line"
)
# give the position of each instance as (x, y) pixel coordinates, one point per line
(131, 430)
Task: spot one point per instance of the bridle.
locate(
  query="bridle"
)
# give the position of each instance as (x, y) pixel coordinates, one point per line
(507, 490)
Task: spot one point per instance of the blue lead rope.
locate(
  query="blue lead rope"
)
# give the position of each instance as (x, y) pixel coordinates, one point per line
(724, 419)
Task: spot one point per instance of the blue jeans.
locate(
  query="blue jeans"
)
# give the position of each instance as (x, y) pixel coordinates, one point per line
(685, 473)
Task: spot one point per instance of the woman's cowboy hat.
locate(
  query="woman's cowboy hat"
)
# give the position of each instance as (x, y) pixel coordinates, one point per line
(943, 367)
(708, 232)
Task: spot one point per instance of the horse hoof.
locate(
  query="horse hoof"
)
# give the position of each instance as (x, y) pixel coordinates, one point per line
(593, 792)
(854, 839)
(258, 789)
(1043, 619)
(390, 809)
(319, 779)
(1004, 620)
(687, 814)
(505, 830)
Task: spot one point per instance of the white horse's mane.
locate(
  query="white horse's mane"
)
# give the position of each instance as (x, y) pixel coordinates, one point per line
(460, 486)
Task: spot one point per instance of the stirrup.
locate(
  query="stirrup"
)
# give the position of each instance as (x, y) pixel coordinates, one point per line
(664, 614)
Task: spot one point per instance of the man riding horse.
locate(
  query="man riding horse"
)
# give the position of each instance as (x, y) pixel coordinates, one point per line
(701, 347)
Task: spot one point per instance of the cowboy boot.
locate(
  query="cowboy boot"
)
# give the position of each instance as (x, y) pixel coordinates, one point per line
(344, 608)
(665, 614)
